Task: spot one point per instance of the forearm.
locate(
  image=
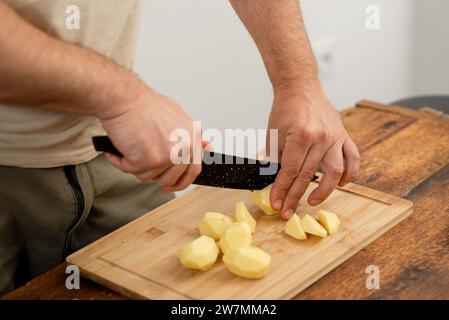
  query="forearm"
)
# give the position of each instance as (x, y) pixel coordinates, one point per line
(279, 33)
(41, 71)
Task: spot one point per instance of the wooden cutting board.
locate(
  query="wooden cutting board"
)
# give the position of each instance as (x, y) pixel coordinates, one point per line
(140, 260)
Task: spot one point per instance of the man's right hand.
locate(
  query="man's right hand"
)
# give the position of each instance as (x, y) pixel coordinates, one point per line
(139, 121)
(141, 132)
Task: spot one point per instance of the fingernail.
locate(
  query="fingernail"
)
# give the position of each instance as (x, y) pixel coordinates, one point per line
(278, 205)
(315, 202)
(287, 214)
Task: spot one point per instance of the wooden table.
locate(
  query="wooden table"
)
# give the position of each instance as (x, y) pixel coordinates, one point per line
(405, 153)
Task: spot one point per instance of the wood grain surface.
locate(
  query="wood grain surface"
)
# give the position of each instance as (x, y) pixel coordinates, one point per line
(140, 260)
(413, 257)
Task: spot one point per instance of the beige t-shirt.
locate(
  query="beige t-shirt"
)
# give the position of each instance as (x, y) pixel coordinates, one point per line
(42, 139)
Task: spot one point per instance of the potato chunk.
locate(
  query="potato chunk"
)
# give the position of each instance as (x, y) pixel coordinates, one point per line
(310, 225)
(329, 220)
(236, 235)
(247, 262)
(214, 224)
(242, 215)
(199, 254)
(262, 199)
(294, 229)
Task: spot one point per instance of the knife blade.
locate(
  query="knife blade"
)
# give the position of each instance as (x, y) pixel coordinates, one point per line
(218, 169)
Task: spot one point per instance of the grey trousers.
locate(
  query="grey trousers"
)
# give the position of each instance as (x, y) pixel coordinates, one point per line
(46, 214)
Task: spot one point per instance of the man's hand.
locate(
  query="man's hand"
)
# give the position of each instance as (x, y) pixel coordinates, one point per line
(311, 131)
(310, 134)
(138, 120)
(141, 132)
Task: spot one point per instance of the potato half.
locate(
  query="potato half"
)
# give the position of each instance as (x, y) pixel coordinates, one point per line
(199, 254)
(236, 235)
(247, 262)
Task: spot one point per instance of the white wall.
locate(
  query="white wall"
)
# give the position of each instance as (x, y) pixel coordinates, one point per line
(367, 64)
(431, 72)
(198, 52)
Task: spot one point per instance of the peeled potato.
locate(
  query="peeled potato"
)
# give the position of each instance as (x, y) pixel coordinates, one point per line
(310, 225)
(262, 199)
(247, 262)
(200, 254)
(242, 215)
(329, 220)
(294, 229)
(236, 235)
(214, 224)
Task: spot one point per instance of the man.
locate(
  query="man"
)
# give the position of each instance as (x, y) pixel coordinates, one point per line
(59, 87)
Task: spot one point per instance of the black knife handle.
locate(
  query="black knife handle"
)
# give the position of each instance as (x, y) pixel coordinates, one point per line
(104, 144)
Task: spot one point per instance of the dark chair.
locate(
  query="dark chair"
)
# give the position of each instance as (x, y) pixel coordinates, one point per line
(437, 102)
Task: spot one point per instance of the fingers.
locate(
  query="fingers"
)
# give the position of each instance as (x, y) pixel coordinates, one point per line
(179, 179)
(123, 164)
(207, 145)
(167, 178)
(352, 157)
(186, 179)
(172, 177)
(301, 182)
(291, 163)
(113, 160)
(189, 174)
(333, 167)
(142, 174)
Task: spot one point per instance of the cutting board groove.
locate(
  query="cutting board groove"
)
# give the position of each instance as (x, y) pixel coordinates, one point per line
(140, 259)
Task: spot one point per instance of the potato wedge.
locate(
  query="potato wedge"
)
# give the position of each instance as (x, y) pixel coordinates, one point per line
(214, 224)
(329, 221)
(262, 199)
(311, 226)
(294, 229)
(242, 215)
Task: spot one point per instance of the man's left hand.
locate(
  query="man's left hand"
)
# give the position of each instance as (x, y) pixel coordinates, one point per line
(311, 134)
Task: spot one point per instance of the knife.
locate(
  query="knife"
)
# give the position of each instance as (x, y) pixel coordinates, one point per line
(220, 170)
